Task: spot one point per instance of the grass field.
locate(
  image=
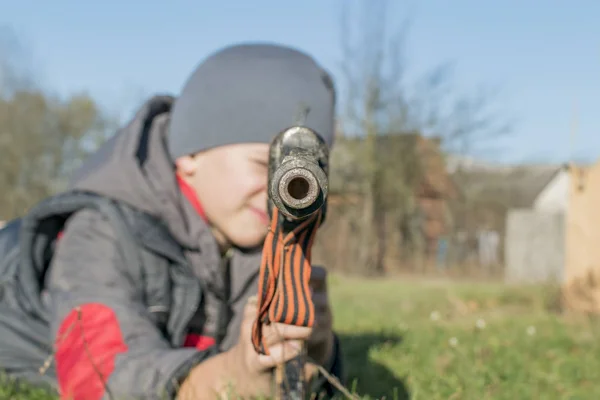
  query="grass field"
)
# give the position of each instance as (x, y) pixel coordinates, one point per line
(408, 339)
(464, 341)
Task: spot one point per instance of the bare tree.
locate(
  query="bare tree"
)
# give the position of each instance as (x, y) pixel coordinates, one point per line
(380, 106)
(370, 92)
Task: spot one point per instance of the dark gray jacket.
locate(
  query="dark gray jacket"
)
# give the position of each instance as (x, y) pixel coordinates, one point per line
(119, 307)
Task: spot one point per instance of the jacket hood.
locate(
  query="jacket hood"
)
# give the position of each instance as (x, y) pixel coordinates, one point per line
(133, 166)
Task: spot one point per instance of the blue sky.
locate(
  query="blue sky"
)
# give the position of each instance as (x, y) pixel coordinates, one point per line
(543, 56)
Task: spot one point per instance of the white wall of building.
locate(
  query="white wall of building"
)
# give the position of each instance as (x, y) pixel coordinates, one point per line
(555, 196)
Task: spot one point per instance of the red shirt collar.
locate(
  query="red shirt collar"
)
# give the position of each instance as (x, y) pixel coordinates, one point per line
(190, 194)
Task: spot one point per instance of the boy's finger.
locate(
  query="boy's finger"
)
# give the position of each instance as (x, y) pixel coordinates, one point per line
(292, 332)
(280, 353)
(276, 333)
(251, 307)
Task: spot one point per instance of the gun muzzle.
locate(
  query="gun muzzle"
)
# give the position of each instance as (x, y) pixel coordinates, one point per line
(298, 188)
(298, 169)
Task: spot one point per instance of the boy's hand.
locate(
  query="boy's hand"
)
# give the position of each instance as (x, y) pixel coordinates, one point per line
(249, 373)
(284, 341)
(253, 371)
(241, 371)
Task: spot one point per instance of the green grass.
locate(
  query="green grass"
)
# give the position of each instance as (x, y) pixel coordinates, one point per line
(409, 339)
(422, 341)
(17, 391)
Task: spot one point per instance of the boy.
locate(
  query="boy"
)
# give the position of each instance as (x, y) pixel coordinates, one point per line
(196, 168)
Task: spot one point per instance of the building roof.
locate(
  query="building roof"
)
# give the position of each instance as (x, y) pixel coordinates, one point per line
(516, 186)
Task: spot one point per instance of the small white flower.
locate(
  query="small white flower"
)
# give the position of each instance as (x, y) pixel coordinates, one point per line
(480, 324)
(531, 330)
(434, 316)
(453, 342)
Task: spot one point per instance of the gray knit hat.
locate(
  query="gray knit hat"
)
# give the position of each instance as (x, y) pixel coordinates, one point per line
(248, 93)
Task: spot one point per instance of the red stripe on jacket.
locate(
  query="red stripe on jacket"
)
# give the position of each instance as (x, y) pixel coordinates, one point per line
(87, 344)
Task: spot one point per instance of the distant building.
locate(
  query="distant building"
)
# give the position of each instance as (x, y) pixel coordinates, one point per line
(554, 196)
(539, 235)
(488, 192)
(524, 205)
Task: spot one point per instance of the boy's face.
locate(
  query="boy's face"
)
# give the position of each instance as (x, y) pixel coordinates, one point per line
(231, 184)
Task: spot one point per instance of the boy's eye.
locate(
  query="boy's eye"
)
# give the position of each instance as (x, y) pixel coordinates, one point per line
(261, 163)
(260, 160)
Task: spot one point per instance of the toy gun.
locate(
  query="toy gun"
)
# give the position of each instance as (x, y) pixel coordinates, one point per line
(297, 190)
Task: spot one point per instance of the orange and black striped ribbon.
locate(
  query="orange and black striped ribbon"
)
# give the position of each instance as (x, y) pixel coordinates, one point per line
(283, 286)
